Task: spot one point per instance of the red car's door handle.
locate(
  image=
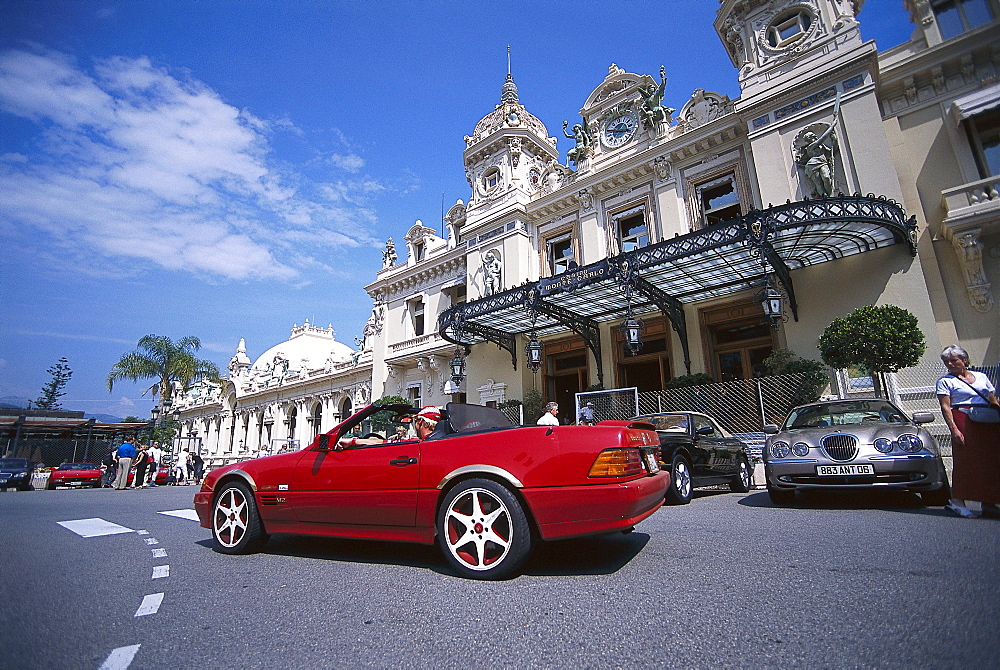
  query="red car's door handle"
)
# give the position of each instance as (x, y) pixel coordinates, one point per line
(403, 462)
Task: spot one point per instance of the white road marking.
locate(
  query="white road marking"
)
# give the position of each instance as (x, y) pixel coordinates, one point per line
(120, 658)
(150, 604)
(159, 553)
(160, 571)
(142, 532)
(189, 514)
(94, 527)
(151, 540)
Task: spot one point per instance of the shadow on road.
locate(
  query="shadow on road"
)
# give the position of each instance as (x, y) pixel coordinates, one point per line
(850, 499)
(601, 555)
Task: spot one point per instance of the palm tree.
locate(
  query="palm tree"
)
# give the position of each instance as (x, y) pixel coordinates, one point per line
(160, 358)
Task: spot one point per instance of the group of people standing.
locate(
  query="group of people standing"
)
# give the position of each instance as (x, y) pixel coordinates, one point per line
(549, 418)
(188, 466)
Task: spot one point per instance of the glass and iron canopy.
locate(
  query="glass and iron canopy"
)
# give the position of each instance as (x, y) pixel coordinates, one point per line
(708, 263)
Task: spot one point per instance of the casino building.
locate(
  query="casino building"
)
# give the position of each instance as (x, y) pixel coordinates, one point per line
(713, 231)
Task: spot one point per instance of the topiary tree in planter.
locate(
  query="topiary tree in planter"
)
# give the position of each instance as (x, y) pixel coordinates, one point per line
(880, 339)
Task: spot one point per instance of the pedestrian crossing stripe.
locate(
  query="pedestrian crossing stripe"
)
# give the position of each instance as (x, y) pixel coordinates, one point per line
(188, 514)
(94, 527)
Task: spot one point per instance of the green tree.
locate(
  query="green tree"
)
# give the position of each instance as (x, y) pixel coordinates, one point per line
(813, 375)
(165, 361)
(879, 339)
(52, 391)
(534, 403)
(382, 421)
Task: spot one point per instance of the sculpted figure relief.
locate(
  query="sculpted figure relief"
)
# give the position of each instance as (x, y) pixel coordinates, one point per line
(817, 156)
(492, 272)
(389, 256)
(653, 112)
(583, 141)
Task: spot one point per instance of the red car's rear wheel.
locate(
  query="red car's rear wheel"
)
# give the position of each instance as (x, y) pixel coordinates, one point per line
(482, 530)
(236, 524)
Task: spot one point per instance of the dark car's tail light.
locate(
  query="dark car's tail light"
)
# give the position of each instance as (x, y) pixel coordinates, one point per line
(617, 463)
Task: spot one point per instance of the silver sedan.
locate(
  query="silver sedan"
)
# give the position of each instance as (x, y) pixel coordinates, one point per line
(859, 443)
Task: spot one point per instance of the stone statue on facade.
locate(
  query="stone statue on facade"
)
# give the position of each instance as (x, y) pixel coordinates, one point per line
(389, 256)
(492, 270)
(583, 142)
(653, 111)
(816, 156)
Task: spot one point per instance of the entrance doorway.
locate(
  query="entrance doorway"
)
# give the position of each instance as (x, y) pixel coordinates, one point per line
(566, 374)
(649, 369)
(740, 340)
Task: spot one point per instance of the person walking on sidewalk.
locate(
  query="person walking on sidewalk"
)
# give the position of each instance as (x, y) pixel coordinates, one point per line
(125, 453)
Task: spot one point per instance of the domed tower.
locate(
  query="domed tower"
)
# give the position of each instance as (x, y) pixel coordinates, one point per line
(507, 153)
(506, 158)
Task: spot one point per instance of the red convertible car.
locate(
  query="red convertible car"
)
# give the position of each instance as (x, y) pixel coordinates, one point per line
(483, 489)
(77, 475)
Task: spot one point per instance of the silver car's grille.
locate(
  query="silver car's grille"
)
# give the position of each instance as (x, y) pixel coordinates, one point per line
(840, 447)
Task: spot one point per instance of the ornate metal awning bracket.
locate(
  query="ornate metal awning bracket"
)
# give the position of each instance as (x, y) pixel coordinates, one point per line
(453, 319)
(673, 309)
(585, 328)
(760, 232)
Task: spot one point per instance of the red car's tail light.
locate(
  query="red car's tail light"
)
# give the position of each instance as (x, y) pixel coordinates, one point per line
(617, 463)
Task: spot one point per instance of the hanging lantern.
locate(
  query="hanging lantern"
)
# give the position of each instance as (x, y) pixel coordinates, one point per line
(632, 330)
(458, 367)
(155, 413)
(533, 350)
(770, 302)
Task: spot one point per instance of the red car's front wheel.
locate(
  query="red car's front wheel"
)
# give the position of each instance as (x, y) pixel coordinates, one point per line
(482, 530)
(236, 524)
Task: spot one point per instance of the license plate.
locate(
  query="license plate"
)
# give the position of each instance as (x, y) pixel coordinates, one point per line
(652, 463)
(845, 470)
(72, 483)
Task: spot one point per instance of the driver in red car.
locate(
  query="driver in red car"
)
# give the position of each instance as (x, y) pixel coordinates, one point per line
(424, 422)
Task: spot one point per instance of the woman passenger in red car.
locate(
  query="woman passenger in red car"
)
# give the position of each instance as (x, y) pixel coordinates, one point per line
(424, 423)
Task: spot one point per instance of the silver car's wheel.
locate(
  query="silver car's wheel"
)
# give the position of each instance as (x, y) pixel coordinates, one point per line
(483, 530)
(741, 482)
(236, 524)
(679, 492)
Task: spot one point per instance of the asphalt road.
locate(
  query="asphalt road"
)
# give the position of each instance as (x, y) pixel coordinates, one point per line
(727, 581)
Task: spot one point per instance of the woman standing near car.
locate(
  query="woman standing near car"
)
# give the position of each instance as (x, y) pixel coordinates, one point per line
(969, 406)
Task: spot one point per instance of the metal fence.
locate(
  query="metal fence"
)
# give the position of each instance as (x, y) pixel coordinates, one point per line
(44, 450)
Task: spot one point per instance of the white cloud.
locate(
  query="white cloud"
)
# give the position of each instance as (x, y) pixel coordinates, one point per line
(140, 165)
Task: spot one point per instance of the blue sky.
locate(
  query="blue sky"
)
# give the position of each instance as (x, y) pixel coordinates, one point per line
(228, 169)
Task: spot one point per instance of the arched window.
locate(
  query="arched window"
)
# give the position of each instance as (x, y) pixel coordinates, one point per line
(317, 419)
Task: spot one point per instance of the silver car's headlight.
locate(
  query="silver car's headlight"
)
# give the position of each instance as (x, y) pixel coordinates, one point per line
(800, 449)
(780, 450)
(909, 443)
(884, 445)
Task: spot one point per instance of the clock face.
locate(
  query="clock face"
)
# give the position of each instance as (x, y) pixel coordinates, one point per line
(619, 130)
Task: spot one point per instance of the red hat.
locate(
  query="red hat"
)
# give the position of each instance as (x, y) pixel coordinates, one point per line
(431, 413)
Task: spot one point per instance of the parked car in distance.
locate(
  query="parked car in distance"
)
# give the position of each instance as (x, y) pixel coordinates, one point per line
(698, 452)
(485, 490)
(76, 475)
(15, 473)
(854, 443)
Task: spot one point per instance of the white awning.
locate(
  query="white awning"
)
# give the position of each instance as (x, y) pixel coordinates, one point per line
(976, 102)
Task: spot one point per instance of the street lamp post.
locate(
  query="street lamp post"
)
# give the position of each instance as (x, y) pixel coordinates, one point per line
(155, 414)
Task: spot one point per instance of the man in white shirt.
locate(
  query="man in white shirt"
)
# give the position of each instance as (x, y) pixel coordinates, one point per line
(548, 417)
(155, 455)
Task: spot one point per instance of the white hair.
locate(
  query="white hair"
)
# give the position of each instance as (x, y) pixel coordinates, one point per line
(956, 351)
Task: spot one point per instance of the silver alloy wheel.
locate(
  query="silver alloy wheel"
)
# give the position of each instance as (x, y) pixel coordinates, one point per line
(745, 474)
(230, 517)
(478, 529)
(682, 479)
